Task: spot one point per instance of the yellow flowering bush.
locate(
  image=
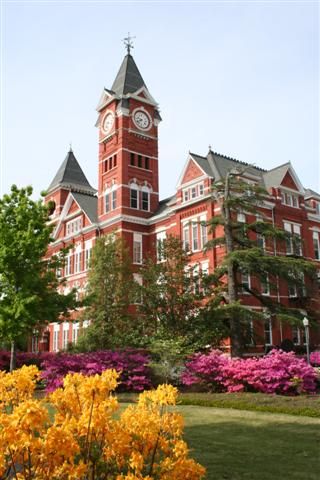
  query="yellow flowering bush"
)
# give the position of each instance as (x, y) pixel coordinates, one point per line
(86, 437)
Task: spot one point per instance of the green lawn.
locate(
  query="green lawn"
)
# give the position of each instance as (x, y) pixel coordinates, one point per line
(242, 445)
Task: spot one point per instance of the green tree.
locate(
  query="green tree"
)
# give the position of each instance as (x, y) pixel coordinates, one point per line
(29, 296)
(173, 296)
(110, 294)
(245, 253)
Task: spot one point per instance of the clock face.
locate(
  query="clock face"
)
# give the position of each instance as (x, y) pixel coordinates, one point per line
(141, 120)
(108, 122)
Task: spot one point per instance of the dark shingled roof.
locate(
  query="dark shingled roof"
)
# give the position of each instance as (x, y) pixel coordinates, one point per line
(128, 79)
(163, 205)
(311, 194)
(217, 165)
(89, 204)
(70, 175)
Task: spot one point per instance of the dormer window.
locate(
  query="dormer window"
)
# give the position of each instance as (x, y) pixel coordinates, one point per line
(290, 199)
(193, 192)
(74, 226)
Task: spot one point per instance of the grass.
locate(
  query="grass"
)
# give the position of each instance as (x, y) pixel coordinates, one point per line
(301, 405)
(239, 445)
(305, 405)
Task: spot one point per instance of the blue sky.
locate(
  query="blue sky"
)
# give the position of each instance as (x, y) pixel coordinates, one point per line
(240, 76)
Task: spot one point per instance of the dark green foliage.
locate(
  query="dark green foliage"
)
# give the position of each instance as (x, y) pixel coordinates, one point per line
(111, 290)
(244, 254)
(29, 296)
(172, 299)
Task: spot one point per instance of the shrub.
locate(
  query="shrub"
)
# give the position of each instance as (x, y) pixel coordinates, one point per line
(315, 358)
(84, 439)
(278, 372)
(131, 364)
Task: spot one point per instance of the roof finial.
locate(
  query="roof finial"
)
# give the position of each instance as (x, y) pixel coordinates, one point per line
(210, 148)
(128, 42)
(70, 147)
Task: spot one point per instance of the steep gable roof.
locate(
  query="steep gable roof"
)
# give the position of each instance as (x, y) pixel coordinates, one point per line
(89, 204)
(274, 177)
(70, 176)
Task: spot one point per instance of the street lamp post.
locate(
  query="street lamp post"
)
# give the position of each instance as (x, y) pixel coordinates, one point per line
(305, 322)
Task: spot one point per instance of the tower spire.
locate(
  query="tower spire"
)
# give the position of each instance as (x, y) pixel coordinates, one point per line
(128, 42)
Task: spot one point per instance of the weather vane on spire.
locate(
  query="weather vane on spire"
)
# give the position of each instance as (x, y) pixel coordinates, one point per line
(128, 42)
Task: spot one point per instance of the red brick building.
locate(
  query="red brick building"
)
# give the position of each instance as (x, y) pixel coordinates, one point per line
(127, 201)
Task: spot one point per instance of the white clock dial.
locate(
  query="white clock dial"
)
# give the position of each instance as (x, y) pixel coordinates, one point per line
(108, 122)
(141, 119)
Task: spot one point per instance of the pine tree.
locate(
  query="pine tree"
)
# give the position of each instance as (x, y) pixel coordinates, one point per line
(245, 254)
(29, 287)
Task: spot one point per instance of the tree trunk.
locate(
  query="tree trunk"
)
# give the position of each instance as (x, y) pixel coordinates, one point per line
(13, 356)
(235, 327)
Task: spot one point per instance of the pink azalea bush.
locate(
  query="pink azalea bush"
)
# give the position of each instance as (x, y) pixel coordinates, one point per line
(278, 373)
(315, 358)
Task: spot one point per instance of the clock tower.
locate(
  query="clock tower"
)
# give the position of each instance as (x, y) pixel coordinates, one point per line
(128, 187)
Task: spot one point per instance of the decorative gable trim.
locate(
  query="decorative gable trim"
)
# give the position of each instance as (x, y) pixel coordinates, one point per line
(185, 168)
(295, 179)
(148, 98)
(64, 214)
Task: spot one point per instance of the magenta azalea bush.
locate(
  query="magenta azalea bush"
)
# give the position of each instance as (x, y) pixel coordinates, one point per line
(133, 365)
(278, 372)
(315, 359)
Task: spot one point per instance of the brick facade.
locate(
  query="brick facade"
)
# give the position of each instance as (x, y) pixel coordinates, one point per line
(127, 201)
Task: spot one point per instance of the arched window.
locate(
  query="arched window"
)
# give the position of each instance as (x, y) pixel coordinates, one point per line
(145, 198)
(110, 198)
(134, 197)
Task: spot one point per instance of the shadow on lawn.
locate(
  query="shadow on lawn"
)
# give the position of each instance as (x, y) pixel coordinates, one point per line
(233, 450)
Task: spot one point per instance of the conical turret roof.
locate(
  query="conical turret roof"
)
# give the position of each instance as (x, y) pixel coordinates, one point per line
(70, 176)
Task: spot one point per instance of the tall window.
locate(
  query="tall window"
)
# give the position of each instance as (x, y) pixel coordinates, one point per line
(137, 248)
(268, 332)
(69, 265)
(134, 196)
(186, 238)
(261, 241)
(75, 332)
(293, 242)
(55, 345)
(265, 285)
(77, 262)
(316, 245)
(203, 232)
(245, 281)
(107, 202)
(147, 163)
(87, 255)
(195, 241)
(114, 199)
(65, 338)
(161, 236)
(132, 158)
(145, 200)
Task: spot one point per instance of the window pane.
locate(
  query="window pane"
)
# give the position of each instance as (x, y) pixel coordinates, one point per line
(107, 202)
(133, 198)
(114, 199)
(145, 201)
